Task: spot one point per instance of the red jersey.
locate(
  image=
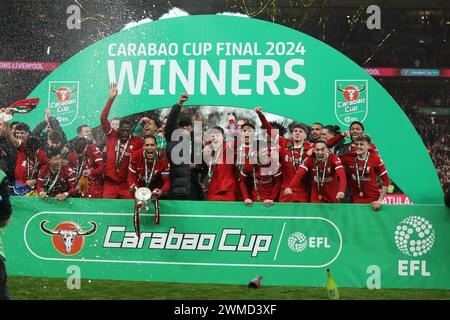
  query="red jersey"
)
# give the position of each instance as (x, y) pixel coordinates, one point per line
(264, 186)
(223, 182)
(368, 177)
(27, 167)
(290, 159)
(157, 172)
(54, 183)
(242, 156)
(93, 161)
(324, 175)
(118, 152)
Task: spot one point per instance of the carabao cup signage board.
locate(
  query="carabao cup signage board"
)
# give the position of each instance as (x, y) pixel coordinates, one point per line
(287, 244)
(236, 62)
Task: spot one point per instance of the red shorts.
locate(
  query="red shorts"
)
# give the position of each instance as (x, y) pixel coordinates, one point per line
(114, 190)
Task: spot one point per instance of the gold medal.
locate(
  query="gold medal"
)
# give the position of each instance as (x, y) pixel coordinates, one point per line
(320, 197)
(361, 194)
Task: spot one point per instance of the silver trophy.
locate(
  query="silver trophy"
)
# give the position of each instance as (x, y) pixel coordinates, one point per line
(142, 197)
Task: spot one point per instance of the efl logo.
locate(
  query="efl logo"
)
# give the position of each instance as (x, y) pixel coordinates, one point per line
(351, 100)
(298, 242)
(67, 237)
(63, 100)
(414, 236)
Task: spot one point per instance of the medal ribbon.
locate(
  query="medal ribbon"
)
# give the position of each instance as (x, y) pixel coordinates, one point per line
(358, 177)
(294, 162)
(80, 168)
(254, 184)
(34, 167)
(148, 179)
(320, 183)
(246, 157)
(118, 160)
(53, 182)
(212, 162)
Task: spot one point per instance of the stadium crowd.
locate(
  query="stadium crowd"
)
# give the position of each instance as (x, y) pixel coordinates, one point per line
(434, 130)
(222, 164)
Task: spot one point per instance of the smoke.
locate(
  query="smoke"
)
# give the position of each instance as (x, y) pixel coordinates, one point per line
(172, 13)
(236, 14)
(137, 23)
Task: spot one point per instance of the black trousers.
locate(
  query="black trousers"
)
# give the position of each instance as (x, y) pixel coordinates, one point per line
(4, 295)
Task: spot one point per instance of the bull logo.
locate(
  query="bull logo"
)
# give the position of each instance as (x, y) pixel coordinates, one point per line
(63, 97)
(63, 93)
(67, 237)
(351, 92)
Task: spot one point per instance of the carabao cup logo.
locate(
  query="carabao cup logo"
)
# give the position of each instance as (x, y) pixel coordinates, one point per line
(67, 237)
(351, 100)
(414, 236)
(63, 100)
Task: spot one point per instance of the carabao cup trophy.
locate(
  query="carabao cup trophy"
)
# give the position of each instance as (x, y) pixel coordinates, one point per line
(142, 197)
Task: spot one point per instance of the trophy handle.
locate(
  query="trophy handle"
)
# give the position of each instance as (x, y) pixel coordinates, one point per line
(137, 226)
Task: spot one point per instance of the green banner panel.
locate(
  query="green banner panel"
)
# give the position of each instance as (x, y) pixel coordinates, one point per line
(246, 64)
(216, 242)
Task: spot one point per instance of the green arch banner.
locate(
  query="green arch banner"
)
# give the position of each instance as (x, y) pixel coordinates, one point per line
(237, 62)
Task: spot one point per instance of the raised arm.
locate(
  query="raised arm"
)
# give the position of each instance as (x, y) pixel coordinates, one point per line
(106, 125)
(8, 134)
(302, 169)
(171, 124)
(265, 124)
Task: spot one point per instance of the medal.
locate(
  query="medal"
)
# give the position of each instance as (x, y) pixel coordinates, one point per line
(118, 160)
(31, 175)
(358, 177)
(50, 188)
(258, 198)
(295, 162)
(212, 162)
(319, 181)
(148, 179)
